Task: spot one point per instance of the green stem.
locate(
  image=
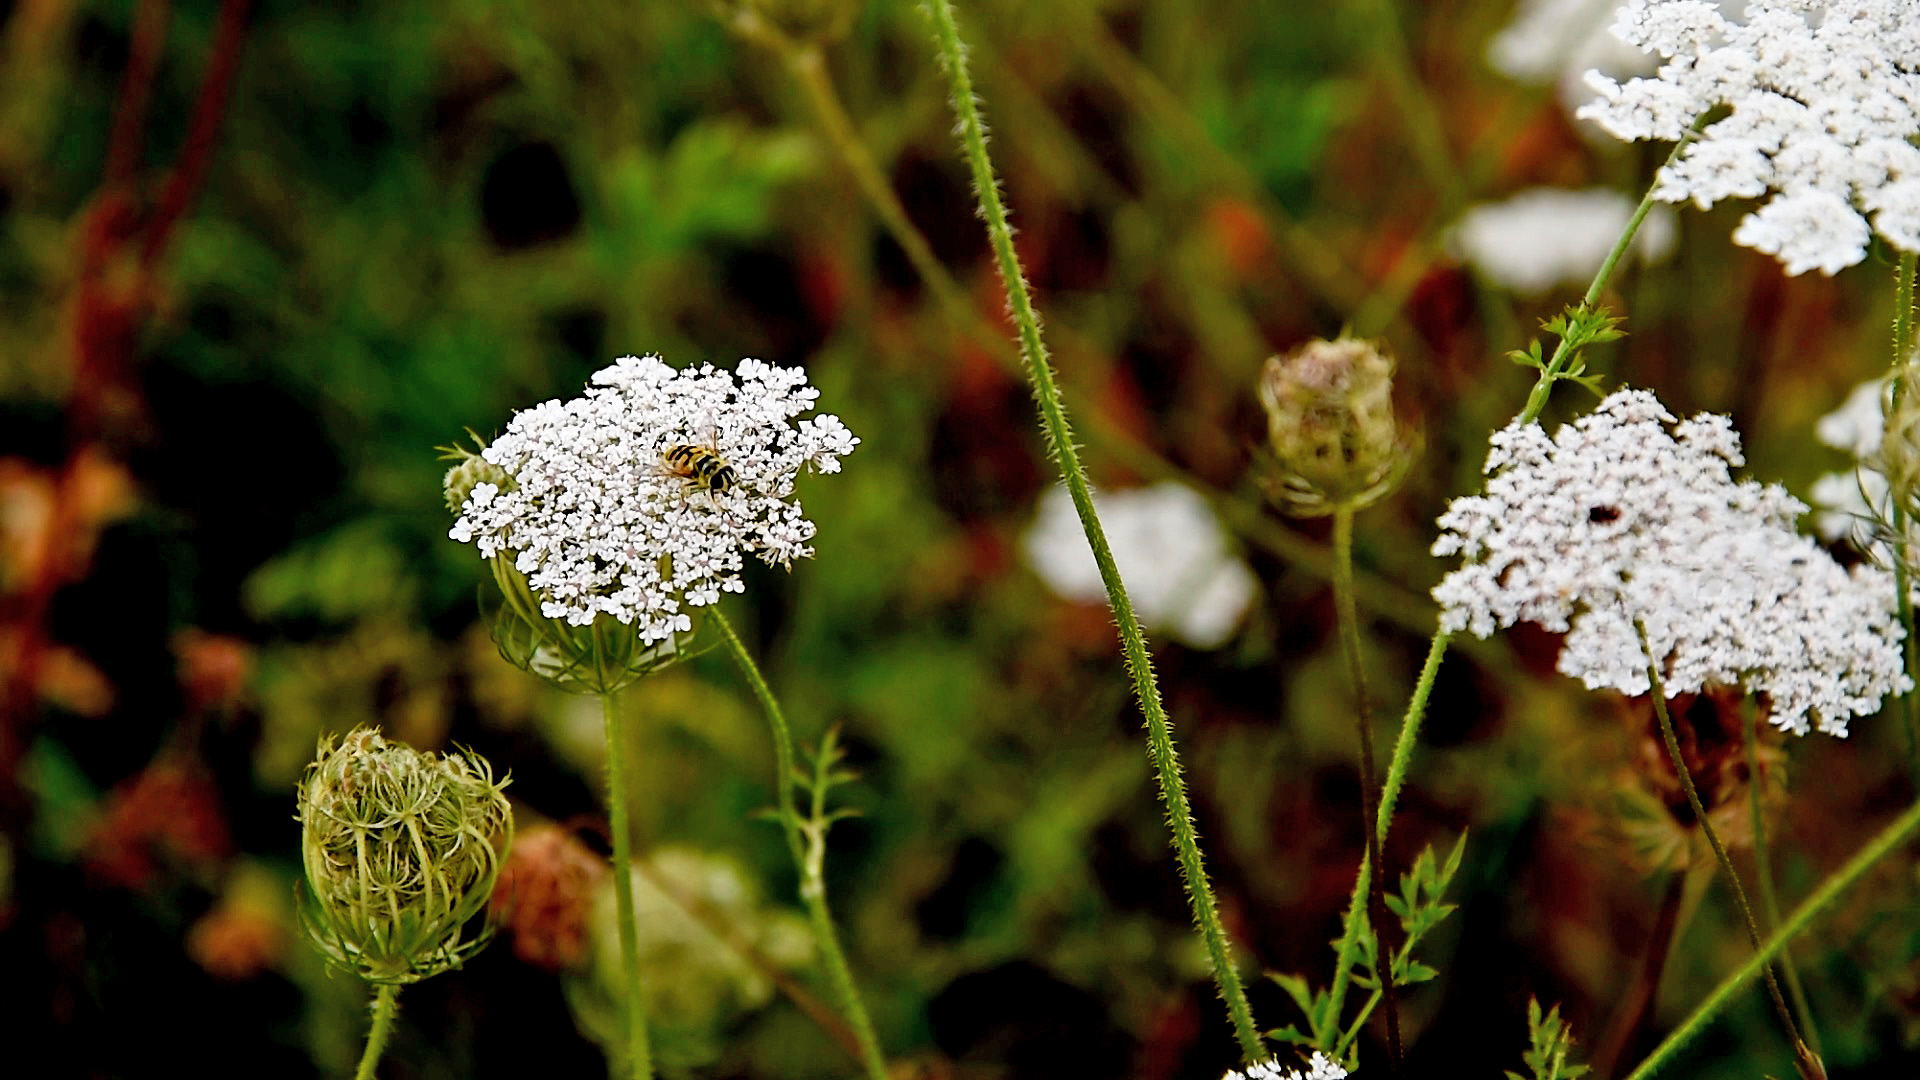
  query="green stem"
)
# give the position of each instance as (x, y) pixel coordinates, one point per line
(1769, 901)
(1903, 286)
(807, 850)
(385, 1004)
(1389, 794)
(639, 1051)
(1348, 618)
(1060, 440)
(1865, 859)
(1410, 732)
(1808, 1062)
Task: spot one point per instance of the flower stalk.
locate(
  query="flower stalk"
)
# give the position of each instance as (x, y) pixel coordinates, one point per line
(1060, 441)
(1903, 302)
(1769, 902)
(1805, 1060)
(1896, 833)
(1349, 620)
(639, 1049)
(385, 1007)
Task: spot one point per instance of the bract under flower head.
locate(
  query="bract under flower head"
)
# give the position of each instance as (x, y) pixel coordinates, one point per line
(1615, 520)
(600, 523)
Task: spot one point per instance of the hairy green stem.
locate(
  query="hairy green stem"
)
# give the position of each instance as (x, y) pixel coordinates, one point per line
(1409, 733)
(1763, 869)
(1060, 440)
(1896, 832)
(386, 1003)
(639, 1051)
(1348, 618)
(1389, 794)
(1804, 1057)
(1903, 285)
(808, 852)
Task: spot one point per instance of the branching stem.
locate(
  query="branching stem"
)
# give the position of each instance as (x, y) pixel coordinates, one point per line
(806, 843)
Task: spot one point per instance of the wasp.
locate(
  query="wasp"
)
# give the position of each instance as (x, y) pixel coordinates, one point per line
(701, 467)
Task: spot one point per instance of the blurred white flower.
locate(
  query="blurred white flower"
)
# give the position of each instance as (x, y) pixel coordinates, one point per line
(1543, 237)
(1822, 104)
(717, 949)
(1320, 1068)
(1616, 519)
(1169, 549)
(599, 521)
(1852, 504)
(1559, 41)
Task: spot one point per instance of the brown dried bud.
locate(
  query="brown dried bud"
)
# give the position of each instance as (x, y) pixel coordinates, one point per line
(1331, 424)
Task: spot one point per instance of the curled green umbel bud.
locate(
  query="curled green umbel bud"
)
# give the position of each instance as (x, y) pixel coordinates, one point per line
(402, 849)
(1331, 426)
(469, 470)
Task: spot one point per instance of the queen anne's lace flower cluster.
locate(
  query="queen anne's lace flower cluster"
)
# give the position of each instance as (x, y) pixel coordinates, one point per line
(1616, 519)
(600, 524)
(1823, 100)
(1319, 1068)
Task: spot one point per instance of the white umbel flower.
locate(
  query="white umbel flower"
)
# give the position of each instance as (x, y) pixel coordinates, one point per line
(1319, 1068)
(1823, 103)
(1172, 556)
(600, 524)
(1616, 518)
(1544, 237)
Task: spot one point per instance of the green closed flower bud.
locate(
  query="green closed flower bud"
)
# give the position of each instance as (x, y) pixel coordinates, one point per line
(402, 849)
(1331, 426)
(468, 472)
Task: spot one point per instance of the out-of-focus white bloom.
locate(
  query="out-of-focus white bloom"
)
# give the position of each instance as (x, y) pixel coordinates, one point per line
(679, 896)
(1319, 1068)
(1857, 425)
(1849, 504)
(1559, 41)
(1170, 552)
(597, 521)
(1545, 237)
(1617, 519)
(1823, 102)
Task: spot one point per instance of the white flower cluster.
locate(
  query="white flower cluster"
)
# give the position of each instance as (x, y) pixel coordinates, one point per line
(1545, 237)
(1615, 519)
(1319, 1068)
(1169, 549)
(1823, 103)
(1851, 504)
(599, 521)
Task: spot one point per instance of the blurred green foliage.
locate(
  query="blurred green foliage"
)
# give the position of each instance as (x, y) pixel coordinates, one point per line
(422, 216)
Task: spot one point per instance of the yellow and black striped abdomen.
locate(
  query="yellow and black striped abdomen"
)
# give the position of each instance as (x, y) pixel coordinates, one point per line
(701, 467)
